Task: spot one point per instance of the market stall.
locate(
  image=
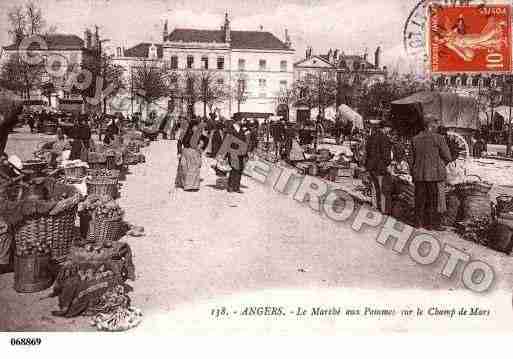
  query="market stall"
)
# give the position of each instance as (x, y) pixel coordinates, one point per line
(467, 205)
(41, 205)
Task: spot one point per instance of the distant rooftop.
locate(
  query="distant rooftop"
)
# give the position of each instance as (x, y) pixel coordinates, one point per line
(55, 42)
(255, 40)
(142, 50)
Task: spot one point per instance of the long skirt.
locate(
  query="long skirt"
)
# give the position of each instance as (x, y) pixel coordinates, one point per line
(188, 173)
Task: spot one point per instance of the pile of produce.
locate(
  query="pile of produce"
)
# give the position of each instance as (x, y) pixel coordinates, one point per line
(101, 206)
(476, 230)
(53, 197)
(40, 247)
(103, 172)
(74, 163)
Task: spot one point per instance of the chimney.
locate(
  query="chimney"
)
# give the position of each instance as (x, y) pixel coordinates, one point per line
(377, 57)
(87, 38)
(335, 55)
(227, 34)
(164, 33)
(288, 43)
(94, 41)
(330, 54)
(261, 28)
(119, 52)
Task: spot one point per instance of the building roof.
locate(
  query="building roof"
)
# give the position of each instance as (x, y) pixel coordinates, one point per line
(350, 58)
(142, 50)
(256, 40)
(55, 42)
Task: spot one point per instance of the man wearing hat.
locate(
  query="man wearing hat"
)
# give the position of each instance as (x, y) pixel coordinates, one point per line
(378, 157)
(430, 156)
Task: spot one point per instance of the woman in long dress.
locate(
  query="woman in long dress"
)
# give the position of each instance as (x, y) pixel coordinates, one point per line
(189, 166)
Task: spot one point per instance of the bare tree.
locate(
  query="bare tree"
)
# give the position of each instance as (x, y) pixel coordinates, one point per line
(17, 22)
(211, 89)
(20, 76)
(288, 96)
(36, 24)
(239, 90)
(317, 89)
(150, 83)
(26, 21)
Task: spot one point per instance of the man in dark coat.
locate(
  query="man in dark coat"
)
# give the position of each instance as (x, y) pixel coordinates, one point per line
(81, 136)
(235, 176)
(378, 157)
(430, 155)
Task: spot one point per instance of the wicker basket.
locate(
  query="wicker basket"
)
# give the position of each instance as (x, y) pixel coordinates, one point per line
(97, 165)
(58, 230)
(112, 174)
(504, 204)
(476, 187)
(134, 147)
(102, 229)
(75, 172)
(476, 201)
(32, 274)
(102, 186)
(131, 158)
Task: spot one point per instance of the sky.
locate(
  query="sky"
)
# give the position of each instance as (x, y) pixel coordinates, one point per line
(349, 25)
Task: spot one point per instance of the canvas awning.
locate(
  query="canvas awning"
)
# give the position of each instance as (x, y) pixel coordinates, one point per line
(454, 110)
(351, 115)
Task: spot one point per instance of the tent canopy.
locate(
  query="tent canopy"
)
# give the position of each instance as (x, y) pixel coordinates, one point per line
(344, 111)
(348, 113)
(454, 110)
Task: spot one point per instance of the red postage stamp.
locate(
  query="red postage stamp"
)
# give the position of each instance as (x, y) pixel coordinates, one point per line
(469, 38)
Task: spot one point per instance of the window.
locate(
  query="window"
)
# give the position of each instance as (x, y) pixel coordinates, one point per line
(242, 64)
(190, 61)
(262, 94)
(174, 62)
(262, 65)
(204, 62)
(262, 83)
(220, 63)
(283, 84)
(283, 65)
(220, 82)
(241, 85)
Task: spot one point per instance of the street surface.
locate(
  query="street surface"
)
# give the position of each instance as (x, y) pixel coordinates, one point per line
(214, 249)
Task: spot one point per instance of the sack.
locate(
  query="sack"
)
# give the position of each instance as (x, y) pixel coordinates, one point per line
(455, 173)
(223, 165)
(500, 238)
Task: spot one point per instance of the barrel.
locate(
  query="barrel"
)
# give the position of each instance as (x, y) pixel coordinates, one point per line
(32, 273)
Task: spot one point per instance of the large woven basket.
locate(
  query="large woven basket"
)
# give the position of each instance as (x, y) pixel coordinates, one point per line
(112, 174)
(102, 229)
(58, 230)
(504, 204)
(131, 158)
(102, 186)
(476, 201)
(75, 172)
(97, 165)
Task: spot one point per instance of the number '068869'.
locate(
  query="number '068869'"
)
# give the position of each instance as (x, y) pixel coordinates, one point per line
(25, 341)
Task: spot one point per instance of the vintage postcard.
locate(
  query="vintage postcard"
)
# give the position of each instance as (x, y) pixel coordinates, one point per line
(313, 167)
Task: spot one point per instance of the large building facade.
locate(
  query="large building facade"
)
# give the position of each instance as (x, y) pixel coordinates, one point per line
(61, 55)
(251, 66)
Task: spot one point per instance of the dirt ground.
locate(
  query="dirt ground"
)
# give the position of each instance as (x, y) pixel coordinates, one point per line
(213, 249)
